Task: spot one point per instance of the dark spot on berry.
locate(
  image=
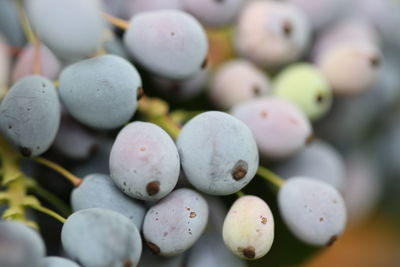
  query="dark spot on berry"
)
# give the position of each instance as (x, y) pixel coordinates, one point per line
(140, 93)
(152, 188)
(204, 64)
(192, 214)
(263, 114)
(239, 171)
(249, 252)
(263, 220)
(9, 127)
(43, 85)
(375, 61)
(331, 240)
(124, 183)
(256, 90)
(172, 33)
(128, 263)
(320, 98)
(287, 28)
(26, 152)
(154, 248)
(321, 219)
(165, 234)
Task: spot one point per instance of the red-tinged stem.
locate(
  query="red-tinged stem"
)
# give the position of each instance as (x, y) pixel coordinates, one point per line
(37, 64)
(76, 181)
(120, 23)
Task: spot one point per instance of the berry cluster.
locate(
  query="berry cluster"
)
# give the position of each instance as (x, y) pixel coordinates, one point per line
(166, 111)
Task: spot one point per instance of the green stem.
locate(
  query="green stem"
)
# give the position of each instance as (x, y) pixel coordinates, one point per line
(10, 162)
(16, 192)
(17, 184)
(25, 25)
(76, 181)
(270, 177)
(49, 212)
(13, 179)
(155, 110)
(117, 22)
(49, 197)
(240, 194)
(3, 197)
(168, 125)
(182, 116)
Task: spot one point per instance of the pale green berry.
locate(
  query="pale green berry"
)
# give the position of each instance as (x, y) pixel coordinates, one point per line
(248, 229)
(307, 87)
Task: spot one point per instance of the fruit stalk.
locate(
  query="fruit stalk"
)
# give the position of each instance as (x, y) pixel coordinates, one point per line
(54, 166)
(13, 179)
(270, 177)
